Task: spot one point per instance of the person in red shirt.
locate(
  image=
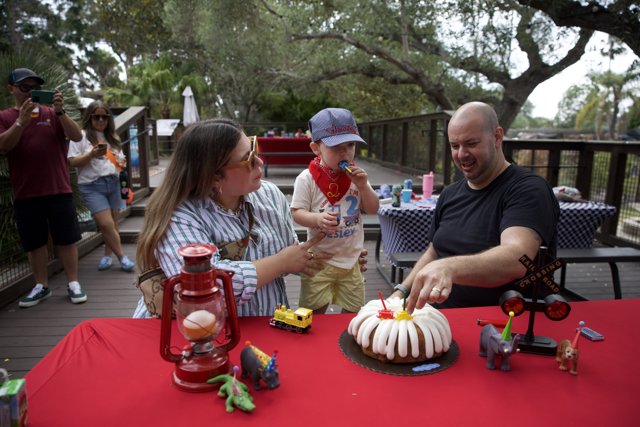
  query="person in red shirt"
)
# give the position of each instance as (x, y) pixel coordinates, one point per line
(35, 140)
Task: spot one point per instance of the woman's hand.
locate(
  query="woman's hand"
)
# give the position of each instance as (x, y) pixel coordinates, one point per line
(97, 151)
(300, 258)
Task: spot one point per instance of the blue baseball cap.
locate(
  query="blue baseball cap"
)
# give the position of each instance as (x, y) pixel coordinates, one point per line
(20, 74)
(334, 126)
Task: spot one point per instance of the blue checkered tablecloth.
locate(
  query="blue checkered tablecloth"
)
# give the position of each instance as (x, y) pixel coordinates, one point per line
(404, 229)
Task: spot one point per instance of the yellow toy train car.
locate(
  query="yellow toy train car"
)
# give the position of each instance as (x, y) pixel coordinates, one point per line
(296, 321)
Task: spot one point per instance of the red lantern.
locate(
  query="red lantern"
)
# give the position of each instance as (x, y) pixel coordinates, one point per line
(201, 316)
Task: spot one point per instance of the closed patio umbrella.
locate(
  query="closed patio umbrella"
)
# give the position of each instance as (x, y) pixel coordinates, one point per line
(190, 113)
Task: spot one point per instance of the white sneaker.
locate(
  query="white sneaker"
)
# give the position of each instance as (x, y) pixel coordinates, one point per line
(37, 294)
(75, 292)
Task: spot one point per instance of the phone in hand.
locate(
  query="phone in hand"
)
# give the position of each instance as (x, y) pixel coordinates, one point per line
(42, 96)
(102, 148)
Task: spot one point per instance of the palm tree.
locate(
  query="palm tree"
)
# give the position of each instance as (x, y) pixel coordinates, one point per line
(609, 91)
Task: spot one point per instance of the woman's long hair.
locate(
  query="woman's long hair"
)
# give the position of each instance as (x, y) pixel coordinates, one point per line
(109, 132)
(201, 153)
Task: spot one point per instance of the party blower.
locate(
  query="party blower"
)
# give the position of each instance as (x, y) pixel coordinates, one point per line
(200, 317)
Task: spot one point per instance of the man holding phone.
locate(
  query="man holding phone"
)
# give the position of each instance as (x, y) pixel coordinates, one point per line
(36, 147)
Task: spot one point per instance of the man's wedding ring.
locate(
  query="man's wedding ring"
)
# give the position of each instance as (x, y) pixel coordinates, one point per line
(438, 290)
(311, 255)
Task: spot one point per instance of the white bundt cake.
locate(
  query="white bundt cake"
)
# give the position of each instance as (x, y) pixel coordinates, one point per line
(399, 337)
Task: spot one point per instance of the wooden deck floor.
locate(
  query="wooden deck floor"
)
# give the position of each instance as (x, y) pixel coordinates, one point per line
(27, 335)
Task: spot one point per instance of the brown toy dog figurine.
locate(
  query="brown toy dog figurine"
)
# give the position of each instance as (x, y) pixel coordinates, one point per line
(568, 353)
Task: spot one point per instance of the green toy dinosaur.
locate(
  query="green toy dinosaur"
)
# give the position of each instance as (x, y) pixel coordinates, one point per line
(237, 392)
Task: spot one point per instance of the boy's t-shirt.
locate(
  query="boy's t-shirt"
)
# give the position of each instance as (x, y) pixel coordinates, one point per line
(346, 244)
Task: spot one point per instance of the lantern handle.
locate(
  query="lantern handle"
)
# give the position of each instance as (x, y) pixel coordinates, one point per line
(232, 310)
(165, 327)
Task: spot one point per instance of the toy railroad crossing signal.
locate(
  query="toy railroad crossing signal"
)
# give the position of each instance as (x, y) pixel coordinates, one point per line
(553, 306)
(540, 274)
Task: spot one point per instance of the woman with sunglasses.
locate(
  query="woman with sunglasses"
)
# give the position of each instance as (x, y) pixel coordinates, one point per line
(212, 193)
(99, 158)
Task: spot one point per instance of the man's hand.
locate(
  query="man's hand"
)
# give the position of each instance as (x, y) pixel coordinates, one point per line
(432, 284)
(58, 101)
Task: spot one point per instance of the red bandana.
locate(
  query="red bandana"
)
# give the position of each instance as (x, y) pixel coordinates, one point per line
(333, 185)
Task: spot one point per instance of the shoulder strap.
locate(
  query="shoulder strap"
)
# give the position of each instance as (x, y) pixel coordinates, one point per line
(113, 160)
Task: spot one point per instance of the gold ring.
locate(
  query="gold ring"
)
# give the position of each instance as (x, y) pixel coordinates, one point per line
(311, 255)
(436, 289)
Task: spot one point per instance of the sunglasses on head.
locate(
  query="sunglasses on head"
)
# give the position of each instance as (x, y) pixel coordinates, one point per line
(104, 117)
(250, 163)
(25, 88)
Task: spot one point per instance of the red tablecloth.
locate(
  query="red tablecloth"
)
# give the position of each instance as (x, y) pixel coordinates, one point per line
(108, 372)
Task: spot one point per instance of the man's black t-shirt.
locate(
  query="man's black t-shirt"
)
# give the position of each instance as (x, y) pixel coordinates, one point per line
(470, 221)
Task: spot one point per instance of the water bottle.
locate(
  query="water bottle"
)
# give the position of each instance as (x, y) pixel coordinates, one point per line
(427, 185)
(124, 185)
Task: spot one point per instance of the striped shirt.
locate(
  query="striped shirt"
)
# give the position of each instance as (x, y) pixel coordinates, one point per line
(203, 221)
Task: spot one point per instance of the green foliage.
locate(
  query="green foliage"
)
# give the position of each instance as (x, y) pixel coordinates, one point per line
(289, 107)
(399, 58)
(571, 103)
(133, 29)
(602, 105)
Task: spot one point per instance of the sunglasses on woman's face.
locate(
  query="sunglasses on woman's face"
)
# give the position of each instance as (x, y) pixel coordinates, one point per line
(25, 88)
(104, 117)
(251, 161)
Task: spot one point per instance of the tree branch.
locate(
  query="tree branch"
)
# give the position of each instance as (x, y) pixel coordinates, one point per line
(434, 91)
(620, 19)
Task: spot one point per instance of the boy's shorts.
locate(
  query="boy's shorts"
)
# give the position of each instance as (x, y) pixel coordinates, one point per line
(37, 216)
(333, 285)
(102, 194)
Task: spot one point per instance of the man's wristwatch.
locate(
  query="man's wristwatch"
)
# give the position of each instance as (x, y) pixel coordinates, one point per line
(402, 289)
(61, 113)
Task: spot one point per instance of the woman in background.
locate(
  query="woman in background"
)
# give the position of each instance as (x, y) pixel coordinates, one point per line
(99, 158)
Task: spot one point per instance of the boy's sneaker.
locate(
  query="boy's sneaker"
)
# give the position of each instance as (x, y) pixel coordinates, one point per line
(105, 262)
(126, 264)
(75, 292)
(37, 294)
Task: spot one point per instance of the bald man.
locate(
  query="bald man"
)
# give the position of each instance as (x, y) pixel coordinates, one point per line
(483, 223)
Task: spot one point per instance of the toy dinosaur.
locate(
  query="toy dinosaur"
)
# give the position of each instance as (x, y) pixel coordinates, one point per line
(237, 392)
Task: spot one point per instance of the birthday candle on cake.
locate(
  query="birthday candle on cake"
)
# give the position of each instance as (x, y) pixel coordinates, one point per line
(385, 313)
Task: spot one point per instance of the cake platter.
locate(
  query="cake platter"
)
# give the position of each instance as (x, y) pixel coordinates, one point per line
(352, 350)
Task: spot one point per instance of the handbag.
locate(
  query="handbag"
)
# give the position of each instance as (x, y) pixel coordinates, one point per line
(151, 282)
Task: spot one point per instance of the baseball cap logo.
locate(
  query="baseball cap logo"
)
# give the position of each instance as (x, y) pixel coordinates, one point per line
(335, 130)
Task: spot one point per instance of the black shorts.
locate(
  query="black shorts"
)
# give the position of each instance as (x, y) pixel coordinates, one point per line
(37, 216)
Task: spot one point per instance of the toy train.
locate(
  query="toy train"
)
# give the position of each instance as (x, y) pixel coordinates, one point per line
(296, 321)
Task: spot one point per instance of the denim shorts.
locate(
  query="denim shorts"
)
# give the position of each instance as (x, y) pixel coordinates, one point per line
(102, 194)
